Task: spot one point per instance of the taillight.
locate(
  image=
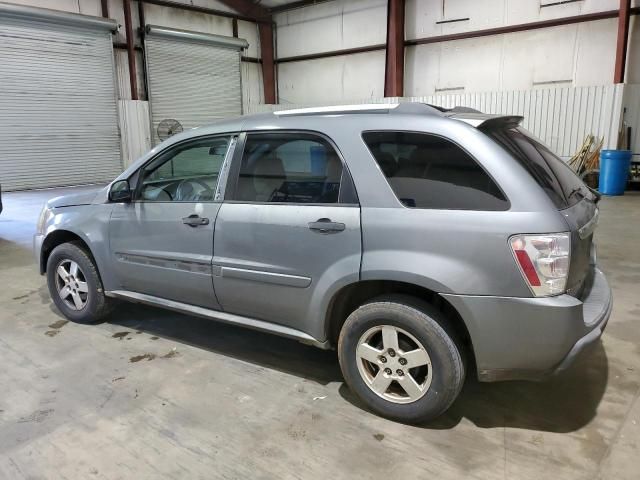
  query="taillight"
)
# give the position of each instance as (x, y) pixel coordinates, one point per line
(543, 261)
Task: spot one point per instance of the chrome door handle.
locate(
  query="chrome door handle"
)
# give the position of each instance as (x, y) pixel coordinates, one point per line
(195, 220)
(325, 225)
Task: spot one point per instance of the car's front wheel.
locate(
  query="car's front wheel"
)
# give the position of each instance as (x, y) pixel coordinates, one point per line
(75, 286)
(398, 359)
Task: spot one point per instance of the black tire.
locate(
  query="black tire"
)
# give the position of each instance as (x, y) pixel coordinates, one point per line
(428, 326)
(97, 306)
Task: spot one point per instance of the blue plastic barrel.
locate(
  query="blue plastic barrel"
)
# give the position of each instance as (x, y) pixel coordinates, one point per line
(614, 170)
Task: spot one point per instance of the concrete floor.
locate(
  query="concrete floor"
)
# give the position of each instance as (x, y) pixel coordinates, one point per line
(154, 394)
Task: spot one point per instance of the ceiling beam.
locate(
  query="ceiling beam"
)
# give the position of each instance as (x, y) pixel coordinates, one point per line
(294, 5)
(198, 9)
(248, 9)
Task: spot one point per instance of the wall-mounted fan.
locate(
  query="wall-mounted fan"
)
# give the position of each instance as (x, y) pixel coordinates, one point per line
(168, 127)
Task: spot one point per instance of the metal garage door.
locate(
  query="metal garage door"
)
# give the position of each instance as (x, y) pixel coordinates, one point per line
(58, 117)
(193, 78)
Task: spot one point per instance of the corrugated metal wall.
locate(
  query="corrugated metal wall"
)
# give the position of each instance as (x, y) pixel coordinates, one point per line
(59, 122)
(561, 117)
(192, 83)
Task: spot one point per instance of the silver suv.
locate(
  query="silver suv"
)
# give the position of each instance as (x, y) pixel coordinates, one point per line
(423, 244)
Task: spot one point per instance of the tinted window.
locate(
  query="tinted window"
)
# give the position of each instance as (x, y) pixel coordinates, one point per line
(187, 173)
(289, 168)
(561, 184)
(426, 171)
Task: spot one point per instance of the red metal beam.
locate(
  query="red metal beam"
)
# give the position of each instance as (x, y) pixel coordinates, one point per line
(250, 59)
(295, 5)
(234, 27)
(332, 53)
(589, 17)
(463, 35)
(265, 32)
(141, 18)
(131, 53)
(268, 65)
(394, 64)
(623, 40)
(142, 22)
(249, 9)
(209, 11)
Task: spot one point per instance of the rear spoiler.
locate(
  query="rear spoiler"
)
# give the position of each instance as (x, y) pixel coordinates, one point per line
(488, 122)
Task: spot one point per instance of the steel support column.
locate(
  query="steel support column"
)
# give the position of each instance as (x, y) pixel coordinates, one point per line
(268, 64)
(394, 64)
(623, 40)
(105, 8)
(131, 52)
(265, 30)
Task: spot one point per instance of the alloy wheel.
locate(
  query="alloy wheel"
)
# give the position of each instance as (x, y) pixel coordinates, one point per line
(71, 285)
(394, 364)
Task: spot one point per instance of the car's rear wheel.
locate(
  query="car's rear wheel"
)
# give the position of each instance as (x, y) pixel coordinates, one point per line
(75, 286)
(397, 357)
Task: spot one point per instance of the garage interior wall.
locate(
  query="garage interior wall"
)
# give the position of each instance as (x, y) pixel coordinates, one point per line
(59, 123)
(135, 135)
(580, 54)
(570, 56)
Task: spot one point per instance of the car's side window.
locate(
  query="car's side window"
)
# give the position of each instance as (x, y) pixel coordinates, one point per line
(288, 168)
(186, 173)
(428, 171)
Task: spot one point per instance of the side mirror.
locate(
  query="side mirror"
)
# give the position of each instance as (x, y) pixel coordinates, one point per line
(120, 191)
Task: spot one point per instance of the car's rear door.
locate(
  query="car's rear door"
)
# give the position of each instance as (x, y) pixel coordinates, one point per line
(288, 232)
(162, 242)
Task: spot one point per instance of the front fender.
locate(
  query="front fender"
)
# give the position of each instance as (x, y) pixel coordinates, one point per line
(91, 224)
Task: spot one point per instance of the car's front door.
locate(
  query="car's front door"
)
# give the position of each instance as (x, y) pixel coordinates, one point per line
(162, 242)
(288, 231)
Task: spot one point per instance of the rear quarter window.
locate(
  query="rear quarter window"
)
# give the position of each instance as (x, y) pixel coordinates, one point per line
(563, 187)
(430, 172)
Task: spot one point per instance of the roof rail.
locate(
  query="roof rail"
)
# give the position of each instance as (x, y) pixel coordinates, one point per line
(400, 108)
(340, 109)
(418, 108)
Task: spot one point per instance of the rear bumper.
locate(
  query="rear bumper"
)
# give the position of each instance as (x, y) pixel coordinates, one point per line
(533, 338)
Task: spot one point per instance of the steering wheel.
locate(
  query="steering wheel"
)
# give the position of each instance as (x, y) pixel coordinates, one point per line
(190, 190)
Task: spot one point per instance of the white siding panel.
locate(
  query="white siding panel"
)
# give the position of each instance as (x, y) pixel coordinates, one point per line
(331, 26)
(252, 86)
(135, 128)
(332, 79)
(560, 117)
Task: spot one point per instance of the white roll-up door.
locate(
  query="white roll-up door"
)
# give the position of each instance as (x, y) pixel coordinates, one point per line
(58, 116)
(193, 78)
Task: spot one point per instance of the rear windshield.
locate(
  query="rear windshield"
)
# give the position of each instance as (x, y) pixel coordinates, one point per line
(560, 183)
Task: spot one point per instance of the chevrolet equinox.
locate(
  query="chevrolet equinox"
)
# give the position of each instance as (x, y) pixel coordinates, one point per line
(423, 244)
